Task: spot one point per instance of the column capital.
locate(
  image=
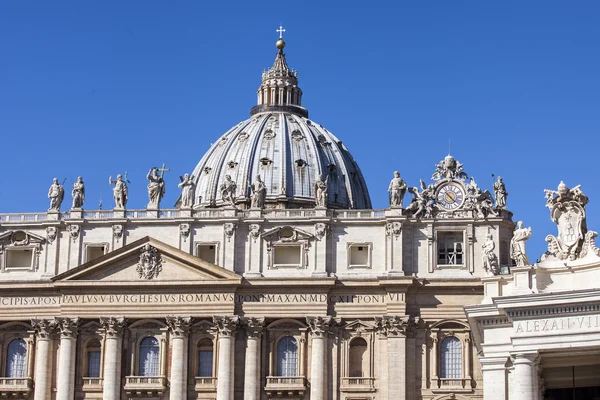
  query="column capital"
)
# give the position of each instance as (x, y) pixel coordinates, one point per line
(44, 328)
(227, 325)
(68, 327)
(397, 326)
(113, 326)
(320, 326)
(179, 326)
(530, 357)
(254, 326)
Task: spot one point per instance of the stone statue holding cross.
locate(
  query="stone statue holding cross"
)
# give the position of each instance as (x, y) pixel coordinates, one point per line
(156, 187)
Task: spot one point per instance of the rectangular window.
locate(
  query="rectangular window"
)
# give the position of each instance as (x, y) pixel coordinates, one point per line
(94, 252)
(93, 364)
(359, 255)
(287, 255)
(207, 252)
(19, 258)
(450, 248)
(205, 360)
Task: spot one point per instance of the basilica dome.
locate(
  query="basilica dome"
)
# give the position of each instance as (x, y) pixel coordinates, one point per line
(287, 150)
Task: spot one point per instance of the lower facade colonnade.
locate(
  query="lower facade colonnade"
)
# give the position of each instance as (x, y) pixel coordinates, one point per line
(232, 357)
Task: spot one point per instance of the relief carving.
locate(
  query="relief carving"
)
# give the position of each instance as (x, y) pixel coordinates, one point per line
(150, 264)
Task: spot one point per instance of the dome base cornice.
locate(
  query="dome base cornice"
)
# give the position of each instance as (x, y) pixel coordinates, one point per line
(262, 108)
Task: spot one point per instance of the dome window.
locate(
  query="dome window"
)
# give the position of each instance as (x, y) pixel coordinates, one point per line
(222, 141)
(297, 135)
(323, 140)
(243, 136)
(331, 168)
(265, 161)
(269, 134)
(207, 170)
(232, 164)
(300, 163)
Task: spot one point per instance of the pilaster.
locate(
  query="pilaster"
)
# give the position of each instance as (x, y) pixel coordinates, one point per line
(179, 328)
(112, 328)
(44, 330)
(319, 328)
(69, 328)
(227, 327)
(254, 329)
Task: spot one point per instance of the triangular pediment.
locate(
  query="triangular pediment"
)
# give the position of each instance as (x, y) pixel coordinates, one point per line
(148, 261)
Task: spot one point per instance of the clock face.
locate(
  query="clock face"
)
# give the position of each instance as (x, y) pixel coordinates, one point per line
(450, 196)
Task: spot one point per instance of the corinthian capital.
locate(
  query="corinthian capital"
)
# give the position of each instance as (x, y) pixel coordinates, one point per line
(395, 325)
(319, 326)
(254, 326)
(113, 326)
(179, 326)
(227, 325)
(44, 328)
(69, 327)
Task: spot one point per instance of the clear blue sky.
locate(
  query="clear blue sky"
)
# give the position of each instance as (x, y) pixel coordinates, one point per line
(96, 88)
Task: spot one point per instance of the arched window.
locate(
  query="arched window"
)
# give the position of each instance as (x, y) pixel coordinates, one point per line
(358, 358)
(205, 358)
(287, 357)
(149, 357)
(93, 359)
(16, 359)
(451, 358)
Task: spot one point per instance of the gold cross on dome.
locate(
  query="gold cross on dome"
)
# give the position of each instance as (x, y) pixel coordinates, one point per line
(280, 30)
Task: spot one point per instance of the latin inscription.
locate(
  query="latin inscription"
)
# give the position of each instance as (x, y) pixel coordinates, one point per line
(551, 325)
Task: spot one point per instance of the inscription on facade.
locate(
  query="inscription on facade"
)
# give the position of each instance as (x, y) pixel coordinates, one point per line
(556, 325)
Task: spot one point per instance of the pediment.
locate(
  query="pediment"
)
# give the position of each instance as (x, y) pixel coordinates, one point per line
(286, 234)
(148, 261)
(18, 238)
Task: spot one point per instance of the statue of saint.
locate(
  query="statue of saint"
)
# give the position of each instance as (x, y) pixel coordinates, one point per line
(78, 193)
(120, 193)
(517, 245)
(228, 189)
(396, 190)
(56, 194)
(489, 258)
(156, 188)
(188, 190)
(500, 193)
(321, 190)
(259, 193)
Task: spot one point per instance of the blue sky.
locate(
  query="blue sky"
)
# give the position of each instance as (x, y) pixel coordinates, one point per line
(96, 88)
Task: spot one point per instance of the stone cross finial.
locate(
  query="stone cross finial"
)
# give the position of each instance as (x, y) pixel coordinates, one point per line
(280, 31)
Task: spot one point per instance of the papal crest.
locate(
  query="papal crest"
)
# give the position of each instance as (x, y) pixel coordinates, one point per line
(569, 218)
(150, 264)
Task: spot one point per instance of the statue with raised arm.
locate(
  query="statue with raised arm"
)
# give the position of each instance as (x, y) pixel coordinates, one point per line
(396, 190)
(188, 190)
(228, 189)
(156, 188)
(120, 192)
(56, 194)
(321, 190)
(488, 257)
(500, 193)
(259, 193)
(78, 193)
(517, 245)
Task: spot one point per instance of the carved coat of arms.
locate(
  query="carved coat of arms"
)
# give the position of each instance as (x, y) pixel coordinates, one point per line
(150, 264)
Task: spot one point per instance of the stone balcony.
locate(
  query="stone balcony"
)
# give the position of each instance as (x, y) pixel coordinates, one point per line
(145, 386)
(92, 384)
(454, 385)
(358, 384)
(16, 388)
(286, 386)
(205, 384)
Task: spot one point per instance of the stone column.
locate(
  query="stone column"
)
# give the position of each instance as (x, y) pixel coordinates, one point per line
(319, 327)
(227, 327)
(69, 327)
(43, 358)
(254, 329)
(179, 328)
(113, 349)
(524, 384)
(494, 378)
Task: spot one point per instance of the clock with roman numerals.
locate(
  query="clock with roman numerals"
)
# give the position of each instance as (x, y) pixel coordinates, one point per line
(450, 196)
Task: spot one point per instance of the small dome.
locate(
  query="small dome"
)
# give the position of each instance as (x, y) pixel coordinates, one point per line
(290, 153)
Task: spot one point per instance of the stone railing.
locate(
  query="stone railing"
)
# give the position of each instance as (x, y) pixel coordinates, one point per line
(148, 385)
(452, 383)
(358, 384)
(286, 383)
(12, 386)
(358, 214)
(205, 384)
(92, 384)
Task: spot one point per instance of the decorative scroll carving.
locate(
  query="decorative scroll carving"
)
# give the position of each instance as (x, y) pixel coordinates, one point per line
(44, 328)
(69, 327)
(229, 229)
(321, 230)
(51, 232)
(117, 232)
(179, 326)
(393, 229)
(319, 326)
(150, 264)
(227, 325)
(74, 232)
(254, 326)
(254, 231)
(184, 231)
(113, 326)
(395, 325)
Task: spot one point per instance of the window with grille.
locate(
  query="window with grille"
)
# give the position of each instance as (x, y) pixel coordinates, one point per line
(93, 359)
(149, 357)
(16, 359)
(205, 358)
(450, 248)
(287, 357)
(451, 358)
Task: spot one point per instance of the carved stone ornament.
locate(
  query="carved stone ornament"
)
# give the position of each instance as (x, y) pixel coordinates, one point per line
(321, 230)
(567, 211)
(74, 232)
(69, 327)
(150, 264)
(254, 231)
(254, 326)
(319, 326)
(449, 168)
(229, 229)
(421, 205)
(51, 232)
(517, 245)
(113, 326)
(480, 201)
(488, 257)
(117, 232)
(395, 325)
(227, 325)
(44, 328)
(184, 230)
(393, 229)
(179, 326)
